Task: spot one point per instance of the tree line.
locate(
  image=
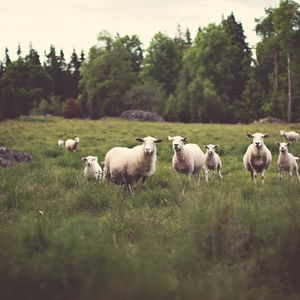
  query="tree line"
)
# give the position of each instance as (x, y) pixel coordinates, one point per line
(213, 77)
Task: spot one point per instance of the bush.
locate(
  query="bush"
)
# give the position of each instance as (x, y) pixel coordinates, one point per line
(53, 106)
(73, 109)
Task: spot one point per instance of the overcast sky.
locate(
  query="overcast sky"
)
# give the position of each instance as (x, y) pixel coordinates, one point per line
(69, 24)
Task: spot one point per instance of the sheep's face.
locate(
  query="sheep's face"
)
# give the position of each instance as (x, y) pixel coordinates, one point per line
(149, 144)
(77, 140)
(258, 139)
(211, 149)
(281, 132)
(90, 160)
(177, 142)
(61, 142)
(283, 147)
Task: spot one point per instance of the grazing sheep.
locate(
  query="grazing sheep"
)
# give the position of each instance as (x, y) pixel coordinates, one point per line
(61, 143)
(188, 159)
(71, 145)
(286, 161)
(212, 161)
(92, 169)
(290, 136)
(257, 157)
(127, 165)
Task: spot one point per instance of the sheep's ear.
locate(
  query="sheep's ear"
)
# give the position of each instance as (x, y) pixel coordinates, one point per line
(288, 143)
(158, 141)
(277, 143)
(266, 136)
(83, 159)
(205, 146)
(250, 135)
(216, 146)
(96, 158)
(140, 140)
(185, 139)
(170, 138)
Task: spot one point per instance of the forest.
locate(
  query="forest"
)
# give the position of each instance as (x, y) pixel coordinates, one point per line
(214, 77)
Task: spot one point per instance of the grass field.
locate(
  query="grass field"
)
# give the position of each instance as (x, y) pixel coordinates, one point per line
(175, 239)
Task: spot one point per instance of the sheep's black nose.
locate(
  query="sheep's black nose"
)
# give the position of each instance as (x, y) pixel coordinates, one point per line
(257, 143)
(175, 145)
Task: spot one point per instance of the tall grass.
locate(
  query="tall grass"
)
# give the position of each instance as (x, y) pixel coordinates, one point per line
(62, 237)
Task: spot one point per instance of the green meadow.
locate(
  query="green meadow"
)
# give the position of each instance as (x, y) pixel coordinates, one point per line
(62, 237)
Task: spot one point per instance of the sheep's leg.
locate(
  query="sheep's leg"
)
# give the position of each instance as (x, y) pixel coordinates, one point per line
(279, 173)
(219, 172)
(129, 189)
(206, 175)
(254, 175)
(144, 179)
(263, 177)
(291, 174)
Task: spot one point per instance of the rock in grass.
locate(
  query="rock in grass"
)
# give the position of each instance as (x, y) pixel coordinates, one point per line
(10, 156)
(141, 115)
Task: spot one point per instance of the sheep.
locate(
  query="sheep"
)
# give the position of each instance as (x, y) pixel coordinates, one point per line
(257, 157)
(286, 161)
(212, 161)
(61, 143)
(71, 145)
(128, 165)
(188, 158)
(92, 169)
(290, 136)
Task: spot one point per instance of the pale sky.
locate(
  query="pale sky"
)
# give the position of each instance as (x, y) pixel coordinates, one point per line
(69, 24)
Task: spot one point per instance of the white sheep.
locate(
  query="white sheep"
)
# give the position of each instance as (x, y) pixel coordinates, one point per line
(61, 143)
(290, 136)
(92, 169)
(257, 157)
(188, 158)
(286, 161)
(212, 161)
(128, 165)
(71, 145)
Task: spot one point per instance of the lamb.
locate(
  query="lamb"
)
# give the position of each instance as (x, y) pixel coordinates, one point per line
(212, 161)
(128, 165)
(257, 157)
(71, 145)
(290, 136)
(92, 169)
(188, 158)
(61, 143)
(286, 161)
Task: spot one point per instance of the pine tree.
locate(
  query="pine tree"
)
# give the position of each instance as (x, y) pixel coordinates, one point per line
(19, 51)
(7, 60)
(2, 69)
(82, 57)
(241, 65)
(188, 39)
(33, 57)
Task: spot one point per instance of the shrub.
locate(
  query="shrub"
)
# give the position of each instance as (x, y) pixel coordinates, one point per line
(73, 109)
(53, 106)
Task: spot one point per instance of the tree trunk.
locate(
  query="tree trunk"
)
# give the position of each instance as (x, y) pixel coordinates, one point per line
(275, 70)
(289, 86)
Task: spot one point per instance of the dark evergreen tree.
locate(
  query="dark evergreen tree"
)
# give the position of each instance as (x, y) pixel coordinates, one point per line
(19, 51)
(2, 70)
(74, 75)
(53, 67)
(7, 60)
(241, 64)
(33, 57)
